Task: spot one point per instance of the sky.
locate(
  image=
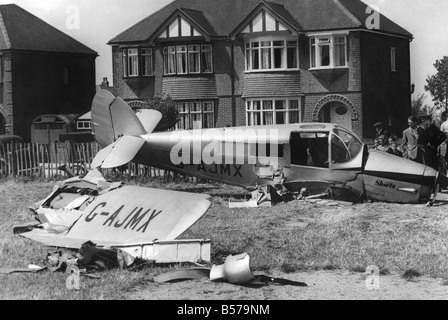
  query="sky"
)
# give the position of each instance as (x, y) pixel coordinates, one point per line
(95, 22)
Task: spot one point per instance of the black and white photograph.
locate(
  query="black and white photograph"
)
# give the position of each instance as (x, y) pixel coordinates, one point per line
(223, 155)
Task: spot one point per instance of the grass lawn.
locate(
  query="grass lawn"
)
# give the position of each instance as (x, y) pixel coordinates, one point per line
(289, 237)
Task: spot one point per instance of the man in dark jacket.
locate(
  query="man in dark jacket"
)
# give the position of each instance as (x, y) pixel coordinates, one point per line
(434, 138)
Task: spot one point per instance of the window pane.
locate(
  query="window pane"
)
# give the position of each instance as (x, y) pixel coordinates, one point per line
(266, 58)
(194, 62)
(255, 60)
(278, 58)
(324, 55)
(147, 62)
(257, 118)
(208, 120)
(292, 58)
(280, 104)
(125, 63)
(293, 104)
(207, 59)
(268, 118)
(197, 120)
(170, 56)
(133, 62)
(280, 117)
(293, 116)
(267, 105)
(181, 59)
(339, 55)
(208, 107)
(313, 57)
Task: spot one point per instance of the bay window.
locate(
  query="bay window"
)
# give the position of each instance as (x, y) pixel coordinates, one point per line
(191, 59)
(263, 54)
(328, 51)
(272, 111)
(137, 62)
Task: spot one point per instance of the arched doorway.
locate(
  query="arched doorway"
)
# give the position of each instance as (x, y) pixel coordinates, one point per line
(335, 108)
(2, 124)
(336, 112)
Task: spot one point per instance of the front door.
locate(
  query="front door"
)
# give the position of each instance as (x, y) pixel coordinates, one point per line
(340, 114)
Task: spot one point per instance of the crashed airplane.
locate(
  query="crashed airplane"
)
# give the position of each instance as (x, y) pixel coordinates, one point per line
(315, 156)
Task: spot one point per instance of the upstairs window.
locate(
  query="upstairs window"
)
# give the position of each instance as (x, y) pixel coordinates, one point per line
(393, 59)
(191, 59)
(328, 51)
(137, 62)
(271, 54)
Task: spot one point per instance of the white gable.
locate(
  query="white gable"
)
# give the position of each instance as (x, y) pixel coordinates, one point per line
(263, 22)
(179, 27)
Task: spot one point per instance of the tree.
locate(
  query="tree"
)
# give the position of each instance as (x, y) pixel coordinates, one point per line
(419, 108)
(170, 114)
(437, 84)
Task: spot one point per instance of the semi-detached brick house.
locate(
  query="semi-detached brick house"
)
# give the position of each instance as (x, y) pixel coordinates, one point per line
(251, 62)
(42, 71)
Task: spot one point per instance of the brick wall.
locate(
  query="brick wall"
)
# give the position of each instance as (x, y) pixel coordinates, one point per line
(37, 86)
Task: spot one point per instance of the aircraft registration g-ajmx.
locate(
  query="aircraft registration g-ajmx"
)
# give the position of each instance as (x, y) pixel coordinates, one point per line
(315, 156)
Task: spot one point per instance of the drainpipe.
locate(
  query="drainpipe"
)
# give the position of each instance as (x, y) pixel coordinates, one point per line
(232, 80)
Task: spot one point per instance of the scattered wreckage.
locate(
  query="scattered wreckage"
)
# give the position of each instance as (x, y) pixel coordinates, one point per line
(142, 222)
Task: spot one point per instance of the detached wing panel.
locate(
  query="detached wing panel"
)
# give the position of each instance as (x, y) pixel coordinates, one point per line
(131, 215)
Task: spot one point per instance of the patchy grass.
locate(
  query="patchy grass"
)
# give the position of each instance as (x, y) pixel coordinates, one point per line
(289, 237)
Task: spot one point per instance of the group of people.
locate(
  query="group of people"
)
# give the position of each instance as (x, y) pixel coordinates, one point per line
(424, 141)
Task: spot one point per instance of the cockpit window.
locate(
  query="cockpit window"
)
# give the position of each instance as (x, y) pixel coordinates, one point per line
(339, 151)
(352, 143)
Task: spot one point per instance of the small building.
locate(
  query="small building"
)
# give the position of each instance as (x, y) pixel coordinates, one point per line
(42, 71)
(48, 128)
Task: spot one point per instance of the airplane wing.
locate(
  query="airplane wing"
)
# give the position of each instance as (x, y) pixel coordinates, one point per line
(127, 215)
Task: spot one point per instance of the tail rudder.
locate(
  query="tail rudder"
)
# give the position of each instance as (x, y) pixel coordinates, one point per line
(117, 129)
(112, 118)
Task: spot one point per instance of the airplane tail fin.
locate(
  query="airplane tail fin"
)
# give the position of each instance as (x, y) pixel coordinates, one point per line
(117, 129)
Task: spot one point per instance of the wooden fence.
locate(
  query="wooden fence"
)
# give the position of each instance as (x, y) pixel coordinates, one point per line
(46, 160)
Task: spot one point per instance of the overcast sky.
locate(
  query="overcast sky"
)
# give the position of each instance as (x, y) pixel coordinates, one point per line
(101, 20)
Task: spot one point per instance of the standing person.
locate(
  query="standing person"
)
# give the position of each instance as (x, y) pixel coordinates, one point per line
(434, 138)
(380, 130)
(414, 141)
(444, 125)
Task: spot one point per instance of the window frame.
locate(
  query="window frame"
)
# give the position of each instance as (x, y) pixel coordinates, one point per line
(393, 59)
(203, 53)
(258, 109)
(255, 49)
(141, 56)
(316, 44)
(187, 112)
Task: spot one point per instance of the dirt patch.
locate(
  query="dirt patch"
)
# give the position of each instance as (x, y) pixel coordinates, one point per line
(322, 285)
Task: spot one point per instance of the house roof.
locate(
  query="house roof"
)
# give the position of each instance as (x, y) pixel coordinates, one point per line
(305, 15)
(20, 30)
